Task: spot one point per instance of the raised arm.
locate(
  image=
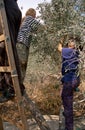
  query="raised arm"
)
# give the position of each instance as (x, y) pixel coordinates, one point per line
(60, 47)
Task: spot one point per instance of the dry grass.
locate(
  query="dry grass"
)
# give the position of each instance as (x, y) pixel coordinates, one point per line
(46, 94)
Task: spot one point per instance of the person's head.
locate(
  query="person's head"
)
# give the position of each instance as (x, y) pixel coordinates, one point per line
(31, 12)
(72, 44)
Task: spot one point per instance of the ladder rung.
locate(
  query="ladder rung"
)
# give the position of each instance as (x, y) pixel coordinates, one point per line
(5, 69)
(2, 38)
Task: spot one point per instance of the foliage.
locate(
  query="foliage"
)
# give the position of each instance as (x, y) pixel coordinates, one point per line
(61, 19)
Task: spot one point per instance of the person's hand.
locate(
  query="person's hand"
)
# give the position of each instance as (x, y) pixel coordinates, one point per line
(60, 47)
(61, 40)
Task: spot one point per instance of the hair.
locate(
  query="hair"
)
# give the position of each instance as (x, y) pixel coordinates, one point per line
(31, 12)
(72, 43)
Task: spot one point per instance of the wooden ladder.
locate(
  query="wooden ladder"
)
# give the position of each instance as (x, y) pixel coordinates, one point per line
(12, 67)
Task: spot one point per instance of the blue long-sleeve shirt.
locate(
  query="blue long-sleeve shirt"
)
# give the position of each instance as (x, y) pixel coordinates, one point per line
(70, 60)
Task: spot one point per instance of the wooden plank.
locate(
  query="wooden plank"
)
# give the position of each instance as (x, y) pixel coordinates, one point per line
(2, 38)
(5, 69)
(1, 124)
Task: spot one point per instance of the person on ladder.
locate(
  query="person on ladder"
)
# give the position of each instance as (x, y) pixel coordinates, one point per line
(14, 17)
(29, 26)
(70, 80)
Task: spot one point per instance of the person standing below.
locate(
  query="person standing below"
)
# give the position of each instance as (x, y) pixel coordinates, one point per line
(28, 26)
(14, 16)
(70, 79)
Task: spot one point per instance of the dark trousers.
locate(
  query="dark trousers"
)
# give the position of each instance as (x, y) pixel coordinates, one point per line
(67, 99)
(14, 21)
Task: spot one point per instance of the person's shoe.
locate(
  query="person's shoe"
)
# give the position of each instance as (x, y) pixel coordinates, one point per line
(9, 93)
(77, 90)
(65, 129)
(10, 96)
(3, 99)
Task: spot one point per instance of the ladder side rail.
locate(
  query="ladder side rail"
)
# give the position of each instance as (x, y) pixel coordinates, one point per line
(2, 38)
(1, 124)
(12, 65)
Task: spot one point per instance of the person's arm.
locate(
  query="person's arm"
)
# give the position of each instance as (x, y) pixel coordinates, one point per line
(60, 44)
(60, 47)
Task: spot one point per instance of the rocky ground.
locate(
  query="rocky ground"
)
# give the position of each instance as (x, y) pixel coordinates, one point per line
(52, 120)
